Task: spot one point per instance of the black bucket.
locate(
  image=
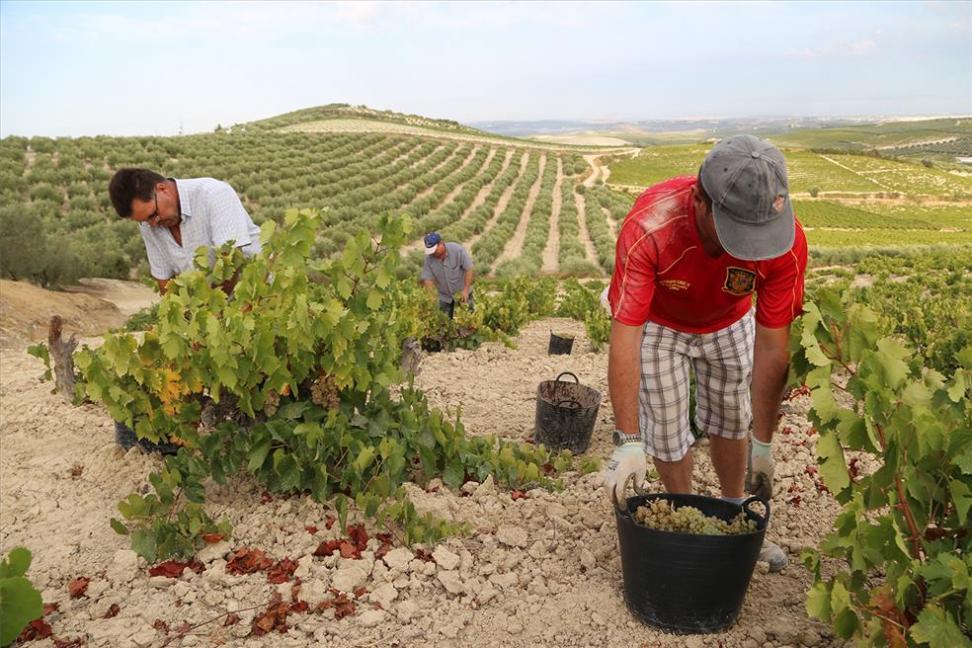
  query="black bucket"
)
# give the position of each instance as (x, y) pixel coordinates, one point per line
(126, 438)
(566, 413)
(688, 583)
(559, 345)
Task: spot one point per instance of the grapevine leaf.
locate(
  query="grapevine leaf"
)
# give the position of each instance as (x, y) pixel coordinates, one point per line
(938, 629)
(818, 602)
(891, 356)
(833, 467)
(259, 454)
(964, 358)
(364, 459)
(964, 460)
(16, 563)
(119, 527)
(962, 496)
(20, 604)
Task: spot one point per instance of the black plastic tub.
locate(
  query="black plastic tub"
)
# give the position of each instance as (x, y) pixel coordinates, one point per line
(687, 583)
(566, 413)
(126, 438)
(559, 345)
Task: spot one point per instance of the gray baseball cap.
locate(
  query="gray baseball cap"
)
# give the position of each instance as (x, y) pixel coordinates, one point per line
(746, 179)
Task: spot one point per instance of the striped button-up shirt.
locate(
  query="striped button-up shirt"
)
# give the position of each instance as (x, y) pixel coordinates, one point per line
(212, 215)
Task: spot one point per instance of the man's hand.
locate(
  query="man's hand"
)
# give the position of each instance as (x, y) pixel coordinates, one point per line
(464, 296)
(628, 459)
(759, 479)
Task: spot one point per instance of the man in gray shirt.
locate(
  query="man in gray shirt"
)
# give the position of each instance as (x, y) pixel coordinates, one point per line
(449, 269)
(176, 217)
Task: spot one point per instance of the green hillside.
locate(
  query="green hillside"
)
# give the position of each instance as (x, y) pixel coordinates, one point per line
(521, 206)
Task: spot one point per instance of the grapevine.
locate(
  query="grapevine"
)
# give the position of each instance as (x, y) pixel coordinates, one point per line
(290, 379)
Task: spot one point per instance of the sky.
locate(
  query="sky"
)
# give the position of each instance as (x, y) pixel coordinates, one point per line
(147, 68)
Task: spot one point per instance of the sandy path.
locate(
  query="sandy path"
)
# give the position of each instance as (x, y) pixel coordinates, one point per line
(515, 245)
(504, 199)
(551, 252)
(598, 169)
(542, 571)
(590, 253)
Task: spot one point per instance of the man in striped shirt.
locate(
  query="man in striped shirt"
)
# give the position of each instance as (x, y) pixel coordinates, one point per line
(691, 255)
(176, 217)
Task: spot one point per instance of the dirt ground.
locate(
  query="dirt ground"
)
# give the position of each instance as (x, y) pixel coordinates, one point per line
(90, 308)
(539, 571)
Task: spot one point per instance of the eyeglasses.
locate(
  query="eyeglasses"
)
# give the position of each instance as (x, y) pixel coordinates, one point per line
(154, 216)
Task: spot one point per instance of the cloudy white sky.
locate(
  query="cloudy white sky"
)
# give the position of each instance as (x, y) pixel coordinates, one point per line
(76, 68)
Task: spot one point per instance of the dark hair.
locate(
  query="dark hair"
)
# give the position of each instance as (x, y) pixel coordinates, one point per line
(128, 184)
(702, 192)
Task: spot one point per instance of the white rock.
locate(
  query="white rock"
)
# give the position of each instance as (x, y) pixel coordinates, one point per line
(212, 552)
(216, 574)
(451, 581)
(314, 591)
(406, 610)
(504, 581)
(371, 618)
(538, 549)
(303, 571)
(383, 595)
(159, 582)
(398, 558)
(486, 489)
(512, 536)
(124, 566)
(469, 487)
(587, 559)
(445, 558)
(214, 597)
(144, 637)
(486, 593)
(99, 586)
(349, 577)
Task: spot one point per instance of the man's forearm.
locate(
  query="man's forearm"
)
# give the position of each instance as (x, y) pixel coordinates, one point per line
(770, 365)
(469, 278)
(163, 285)
(428, 283)
(624, 375)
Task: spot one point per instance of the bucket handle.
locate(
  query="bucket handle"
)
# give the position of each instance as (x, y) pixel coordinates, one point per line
(572, 404)
(766, 505)
(566, 373)
(623, 510)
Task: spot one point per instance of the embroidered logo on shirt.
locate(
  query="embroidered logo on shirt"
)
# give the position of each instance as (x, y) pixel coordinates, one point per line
(739, 281)
(675, 284)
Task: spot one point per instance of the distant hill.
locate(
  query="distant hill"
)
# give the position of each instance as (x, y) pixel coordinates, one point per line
(943, 139)
(347, 111)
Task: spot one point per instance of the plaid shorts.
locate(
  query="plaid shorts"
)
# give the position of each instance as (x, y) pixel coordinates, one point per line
(723, 364)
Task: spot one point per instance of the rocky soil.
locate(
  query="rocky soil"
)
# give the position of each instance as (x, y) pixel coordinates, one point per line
(542, 570)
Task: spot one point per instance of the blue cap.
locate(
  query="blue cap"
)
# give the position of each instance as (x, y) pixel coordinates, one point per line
(432, 240)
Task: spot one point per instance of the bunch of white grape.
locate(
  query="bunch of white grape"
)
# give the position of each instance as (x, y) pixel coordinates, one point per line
(659, 514)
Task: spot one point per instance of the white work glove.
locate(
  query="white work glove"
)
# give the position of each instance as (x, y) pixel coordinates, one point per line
(628, 459)
(759, 480)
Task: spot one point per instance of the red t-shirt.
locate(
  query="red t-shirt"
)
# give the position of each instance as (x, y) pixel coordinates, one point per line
(662, 274)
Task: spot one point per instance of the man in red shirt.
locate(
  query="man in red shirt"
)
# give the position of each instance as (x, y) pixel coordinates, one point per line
(690, 256)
